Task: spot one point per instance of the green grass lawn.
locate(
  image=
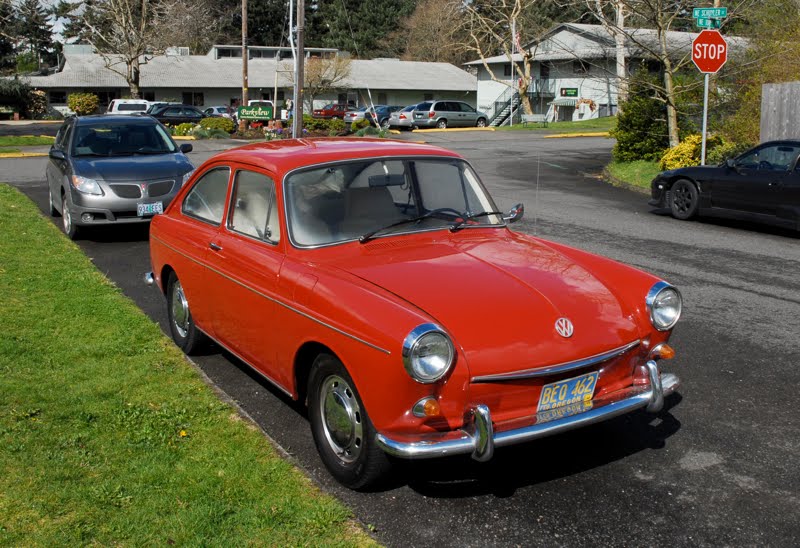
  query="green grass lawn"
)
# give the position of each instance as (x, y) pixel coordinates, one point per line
(8, 150)
(639, 173)
(26, 140)
(108, 436)
(590, 126)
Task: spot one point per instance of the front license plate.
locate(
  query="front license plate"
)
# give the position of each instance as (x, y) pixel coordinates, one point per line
(149, 209)
(567, 392)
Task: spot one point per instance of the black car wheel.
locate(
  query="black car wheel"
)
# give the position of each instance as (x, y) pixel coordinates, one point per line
(67, 223)
(481, 122)
(181, 325)
(442, 124)
(343, 433)
(683, 200)
(385, 123)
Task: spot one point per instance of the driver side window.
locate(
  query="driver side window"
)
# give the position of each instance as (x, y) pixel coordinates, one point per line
(206, 199)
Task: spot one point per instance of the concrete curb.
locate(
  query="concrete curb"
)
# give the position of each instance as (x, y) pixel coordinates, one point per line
(613, 181)
(568, 135)
(22, 154)
(451, 129)
(183, 138)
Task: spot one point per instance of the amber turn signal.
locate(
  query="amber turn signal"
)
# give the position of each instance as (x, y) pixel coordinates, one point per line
(663, 351)
(427, 407)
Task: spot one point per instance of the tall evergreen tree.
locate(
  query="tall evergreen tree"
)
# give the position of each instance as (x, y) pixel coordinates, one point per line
(7, 36)
(362, 27)
(35, 31)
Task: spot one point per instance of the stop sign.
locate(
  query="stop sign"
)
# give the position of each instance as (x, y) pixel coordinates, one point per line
(709, 51)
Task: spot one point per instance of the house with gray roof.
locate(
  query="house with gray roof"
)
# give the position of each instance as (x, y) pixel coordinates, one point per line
(216, 78)
(573, 75)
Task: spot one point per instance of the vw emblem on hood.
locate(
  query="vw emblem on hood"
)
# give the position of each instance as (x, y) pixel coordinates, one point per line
(564, 327)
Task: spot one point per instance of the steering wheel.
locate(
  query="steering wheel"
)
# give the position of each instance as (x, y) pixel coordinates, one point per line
(763, 164)
(433, 212)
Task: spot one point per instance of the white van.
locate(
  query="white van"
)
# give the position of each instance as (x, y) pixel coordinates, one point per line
(127, 106)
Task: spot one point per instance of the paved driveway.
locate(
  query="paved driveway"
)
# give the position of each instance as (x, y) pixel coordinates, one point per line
(718, 467)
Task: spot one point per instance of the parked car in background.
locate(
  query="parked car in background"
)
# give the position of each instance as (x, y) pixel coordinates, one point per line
(443, 114)
(127, 106)
(762, 184)
(177, 114)
(403, 118)
(220, 111)
(355, 115)
(379, 116)
(113, 169)
(331, 110)
(328, 265)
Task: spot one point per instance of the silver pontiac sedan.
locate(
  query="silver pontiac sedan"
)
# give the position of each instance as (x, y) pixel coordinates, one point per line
(113, 169)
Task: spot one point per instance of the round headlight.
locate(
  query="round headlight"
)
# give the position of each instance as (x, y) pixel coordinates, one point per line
(427, 353)
(664, 305)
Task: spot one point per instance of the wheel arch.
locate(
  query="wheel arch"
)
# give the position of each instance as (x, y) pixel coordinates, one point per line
(303, 361)
(166, 270)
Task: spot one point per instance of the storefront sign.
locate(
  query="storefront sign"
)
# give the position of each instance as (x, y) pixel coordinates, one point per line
(254, 113)
(569, 92)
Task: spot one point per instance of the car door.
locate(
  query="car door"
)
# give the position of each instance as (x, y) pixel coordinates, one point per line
(750, 185)
(191, 115)
(469, 117)
(57, 169)
(171, 115)
(245, 261)
(788, 195)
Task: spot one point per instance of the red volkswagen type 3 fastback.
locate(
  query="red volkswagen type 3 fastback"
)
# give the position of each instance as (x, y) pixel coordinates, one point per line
(377, 282)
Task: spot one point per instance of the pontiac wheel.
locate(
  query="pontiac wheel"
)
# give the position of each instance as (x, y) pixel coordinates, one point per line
(53, 211)
(343, 433)
(181, 325)
(66, 218)
(683, 200)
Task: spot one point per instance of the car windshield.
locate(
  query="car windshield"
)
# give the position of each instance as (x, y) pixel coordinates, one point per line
(121, 139)
(370, 198)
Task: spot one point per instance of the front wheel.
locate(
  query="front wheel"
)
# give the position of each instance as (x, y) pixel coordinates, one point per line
(683, 201)
(385, 124)
(181, 325)
(67, 222)
(53, 211)
(343, 433)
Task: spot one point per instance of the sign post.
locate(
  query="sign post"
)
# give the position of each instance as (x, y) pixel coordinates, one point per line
(709, 54)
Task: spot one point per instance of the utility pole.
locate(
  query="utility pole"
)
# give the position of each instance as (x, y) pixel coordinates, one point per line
(245, 55)
(297, 125)
(619, 39)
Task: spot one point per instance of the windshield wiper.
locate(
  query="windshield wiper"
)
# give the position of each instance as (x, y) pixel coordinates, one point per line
(458, 225)
(364, 238)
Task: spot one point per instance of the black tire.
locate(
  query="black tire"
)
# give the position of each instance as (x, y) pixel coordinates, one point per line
(67, 223)
(442, 124)
(349, 451)
(683, 199)
(384, 123)
(53, 211)
(181, 325)
(481, 122)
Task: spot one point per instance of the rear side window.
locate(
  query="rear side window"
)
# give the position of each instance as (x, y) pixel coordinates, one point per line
(424, 106)
(206, 199)
(132, 107)
(254, 212)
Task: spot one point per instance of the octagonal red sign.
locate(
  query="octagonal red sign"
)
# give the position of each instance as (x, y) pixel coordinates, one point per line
(709, 51)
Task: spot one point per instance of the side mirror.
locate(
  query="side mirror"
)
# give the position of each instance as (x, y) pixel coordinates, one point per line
(515, 214)
(56, 154)
(186, 147)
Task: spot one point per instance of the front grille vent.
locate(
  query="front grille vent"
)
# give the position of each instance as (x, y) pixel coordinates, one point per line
(127, 190)
(160, 188)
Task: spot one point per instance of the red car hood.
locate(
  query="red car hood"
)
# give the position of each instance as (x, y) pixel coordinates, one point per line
(499, 298)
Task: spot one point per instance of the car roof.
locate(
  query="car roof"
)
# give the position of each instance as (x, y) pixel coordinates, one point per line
(288, 154)
(97, 119)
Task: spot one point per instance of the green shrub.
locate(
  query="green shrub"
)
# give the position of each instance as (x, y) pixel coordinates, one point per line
(217, 133)
(182, 130)
(83, 103)
(368, 131)
(689, 151)
(225, 124)
(359, 125)
(725, 150)
(641, 131)
(332, 126)
(200, 133)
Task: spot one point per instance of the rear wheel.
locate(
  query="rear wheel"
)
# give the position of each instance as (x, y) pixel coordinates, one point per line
(442, 124)
(181, 325)
(343, 433)
(683, 199)
(481, 122)
(385, 123)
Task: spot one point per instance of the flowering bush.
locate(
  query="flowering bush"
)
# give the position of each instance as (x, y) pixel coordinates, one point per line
(182, 130)
(225, 124)
(83, 103)
(688, 152)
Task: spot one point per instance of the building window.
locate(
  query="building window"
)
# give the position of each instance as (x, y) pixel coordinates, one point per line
(506, 70)
(427, 97)
(544, 71)
(149, 95)
(57, 97)
(579, 67)
(382, 99)
(194, 98)
(281, 95)
(105, 97)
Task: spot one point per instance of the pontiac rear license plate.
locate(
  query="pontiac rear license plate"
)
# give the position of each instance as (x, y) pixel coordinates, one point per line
(567, 392)
(149, 209)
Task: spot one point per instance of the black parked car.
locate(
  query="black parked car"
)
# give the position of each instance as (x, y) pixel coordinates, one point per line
(112, 169)
(762, 184)
(176, 114)
(380, 117)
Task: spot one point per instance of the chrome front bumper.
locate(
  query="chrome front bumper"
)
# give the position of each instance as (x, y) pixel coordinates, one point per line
(479, 438)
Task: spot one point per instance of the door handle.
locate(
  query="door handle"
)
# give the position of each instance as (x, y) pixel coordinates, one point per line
(215, 247)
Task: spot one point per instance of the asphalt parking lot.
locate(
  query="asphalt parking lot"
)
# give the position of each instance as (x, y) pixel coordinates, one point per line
(717, 467)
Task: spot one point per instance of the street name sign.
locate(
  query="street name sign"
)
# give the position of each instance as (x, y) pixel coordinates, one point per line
(710, 13)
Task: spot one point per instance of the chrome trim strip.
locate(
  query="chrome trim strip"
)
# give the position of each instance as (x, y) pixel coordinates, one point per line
(558, 368)
(287, 306)
(149, 279)
(479, 439)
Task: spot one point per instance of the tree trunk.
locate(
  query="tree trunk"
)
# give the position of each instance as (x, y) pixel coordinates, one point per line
(672, 112)
(622, 73)
(133, 78)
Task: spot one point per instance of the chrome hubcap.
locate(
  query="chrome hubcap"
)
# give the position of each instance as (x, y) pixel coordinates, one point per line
(66, 215)
(180, 310)
(341, 418)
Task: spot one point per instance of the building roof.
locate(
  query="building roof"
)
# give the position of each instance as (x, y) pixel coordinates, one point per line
(203, 72)
(599, 43)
